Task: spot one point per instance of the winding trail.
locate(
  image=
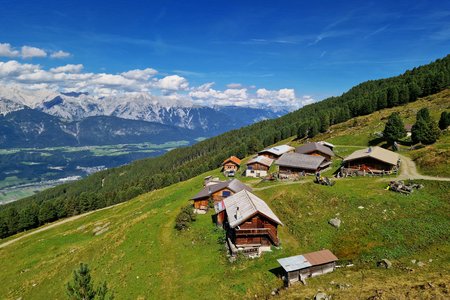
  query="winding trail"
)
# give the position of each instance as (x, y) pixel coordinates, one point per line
(408, 170)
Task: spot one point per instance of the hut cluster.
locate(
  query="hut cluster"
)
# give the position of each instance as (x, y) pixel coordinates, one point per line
(250, 224)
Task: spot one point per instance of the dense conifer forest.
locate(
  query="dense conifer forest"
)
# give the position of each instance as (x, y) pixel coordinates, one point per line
(121, 184)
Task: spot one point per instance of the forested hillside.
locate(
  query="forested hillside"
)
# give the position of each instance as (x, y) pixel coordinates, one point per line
(121, 184)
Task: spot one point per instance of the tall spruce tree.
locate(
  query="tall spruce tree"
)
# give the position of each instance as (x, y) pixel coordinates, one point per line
(425, 130)
(394, 129)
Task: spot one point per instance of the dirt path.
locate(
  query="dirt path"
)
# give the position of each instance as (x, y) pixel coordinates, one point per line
(408, 170)
(53, 225)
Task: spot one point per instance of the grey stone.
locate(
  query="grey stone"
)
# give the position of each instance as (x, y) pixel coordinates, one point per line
(335, 222)
(384, 263)
(321, 296)
(420, 264)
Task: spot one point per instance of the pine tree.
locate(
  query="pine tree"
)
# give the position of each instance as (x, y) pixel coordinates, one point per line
(425, 130)
(82, 287)
(444, 121)
(394, 129)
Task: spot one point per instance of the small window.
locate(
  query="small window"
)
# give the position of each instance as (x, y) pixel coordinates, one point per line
(226, 194)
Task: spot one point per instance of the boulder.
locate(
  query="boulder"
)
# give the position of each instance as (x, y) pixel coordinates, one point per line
(384, 263)
(335, 222)
(321, 296)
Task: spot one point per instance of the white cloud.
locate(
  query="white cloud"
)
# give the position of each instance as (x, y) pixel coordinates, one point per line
(70, 77)
(138, 74)
(68, 69)
(7, 51)
(234, 85)
(173, 83)
(30, 52)
(60, 54)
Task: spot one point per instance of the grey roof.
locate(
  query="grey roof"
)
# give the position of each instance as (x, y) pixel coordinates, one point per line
(278, 150)
(293, 263)
(243, 205)
(299, 262)
(261, 160)
(377, 153)
(310, 147)
(233, 184)
(300, 161)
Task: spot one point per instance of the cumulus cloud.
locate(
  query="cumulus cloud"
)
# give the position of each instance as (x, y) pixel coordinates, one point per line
(173, 83)
(68, 69)
(30, 52)
(60, 54)
(7, 51)
(144, 74)
(70, 77)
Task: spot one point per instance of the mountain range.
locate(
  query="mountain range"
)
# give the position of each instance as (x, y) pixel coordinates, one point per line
(43, 118)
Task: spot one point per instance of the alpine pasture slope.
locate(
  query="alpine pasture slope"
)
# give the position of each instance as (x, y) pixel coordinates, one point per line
(142, 256)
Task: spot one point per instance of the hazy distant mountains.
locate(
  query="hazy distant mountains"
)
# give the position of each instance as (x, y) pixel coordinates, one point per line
(46, 118)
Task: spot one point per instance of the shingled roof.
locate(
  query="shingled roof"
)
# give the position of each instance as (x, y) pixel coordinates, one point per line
(300, 161)
(233, 184)
(278, 150)
(243, 205)
(261, 160)
(233, 159)
(311, 147)
(377, 153)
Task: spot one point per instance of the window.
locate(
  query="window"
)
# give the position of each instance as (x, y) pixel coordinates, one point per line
(226, 194)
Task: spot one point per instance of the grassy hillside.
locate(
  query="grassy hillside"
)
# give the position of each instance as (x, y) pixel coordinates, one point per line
(122, 184)
(142, 256)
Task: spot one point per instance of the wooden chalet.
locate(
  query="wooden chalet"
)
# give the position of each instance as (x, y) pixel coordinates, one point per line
(298, 268)
(292, 165)
(258, 166)
(276, 152)
(231, 165)
(216, 191)
(252, 227)
(316, 149)
(372, 160)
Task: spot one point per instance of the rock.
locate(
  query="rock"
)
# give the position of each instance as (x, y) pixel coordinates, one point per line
(413, 261)
(361, 207)
(335, 222)
(384, 263)
(430, 260)
(321, 296)
(420, 264)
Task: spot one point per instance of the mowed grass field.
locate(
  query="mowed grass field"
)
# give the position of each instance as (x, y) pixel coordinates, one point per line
(142, 256)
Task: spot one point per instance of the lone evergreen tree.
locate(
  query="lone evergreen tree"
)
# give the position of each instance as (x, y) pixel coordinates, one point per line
(394, 129)
(425, 130)
(444, 121)
(82, 287)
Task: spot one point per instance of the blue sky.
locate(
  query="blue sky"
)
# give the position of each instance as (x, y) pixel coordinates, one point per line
(317, 48)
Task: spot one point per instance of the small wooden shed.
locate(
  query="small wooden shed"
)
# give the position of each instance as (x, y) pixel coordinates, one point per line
(217, 191)
(292, 165)
(231, 165)
(374, 160)
(298, 268)
(258, 166)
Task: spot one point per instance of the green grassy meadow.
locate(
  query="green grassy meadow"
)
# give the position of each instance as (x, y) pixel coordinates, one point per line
(142, 256)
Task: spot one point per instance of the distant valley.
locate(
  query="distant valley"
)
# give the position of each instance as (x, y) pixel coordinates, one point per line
(48, 137)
